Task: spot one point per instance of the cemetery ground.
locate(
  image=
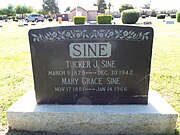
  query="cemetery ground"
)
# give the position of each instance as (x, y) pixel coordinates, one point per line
(16, 73)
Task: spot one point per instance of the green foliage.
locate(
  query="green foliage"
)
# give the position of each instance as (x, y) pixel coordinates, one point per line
(79, 19)
(161, 16)
(178, 16)
(101, 6)
(104, 19)
(22, 9)
(67, 9)
(51, 6)
(2, 11)
(125, 7)
(9, 11)
(42, 11)
(146, 6)
(130, 16)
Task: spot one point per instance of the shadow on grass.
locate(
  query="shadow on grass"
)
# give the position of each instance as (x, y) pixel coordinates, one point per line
(13, 132)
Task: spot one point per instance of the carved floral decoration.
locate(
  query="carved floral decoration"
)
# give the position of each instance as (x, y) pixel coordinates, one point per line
(95, 34)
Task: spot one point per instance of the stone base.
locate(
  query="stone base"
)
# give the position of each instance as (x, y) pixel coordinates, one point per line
(158, 117)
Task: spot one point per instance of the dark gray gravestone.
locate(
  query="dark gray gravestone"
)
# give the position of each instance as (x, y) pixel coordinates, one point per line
(91, 64)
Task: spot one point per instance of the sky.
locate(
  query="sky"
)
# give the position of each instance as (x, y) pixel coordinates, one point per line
(155, 4)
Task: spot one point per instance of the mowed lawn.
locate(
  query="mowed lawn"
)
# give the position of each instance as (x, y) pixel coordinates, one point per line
(16, 73)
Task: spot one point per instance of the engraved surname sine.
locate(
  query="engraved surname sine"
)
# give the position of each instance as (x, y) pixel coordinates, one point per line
(108, 64)
(78, 64)
(90, 50)
(69, 81)
(113, 80)
(86, 81)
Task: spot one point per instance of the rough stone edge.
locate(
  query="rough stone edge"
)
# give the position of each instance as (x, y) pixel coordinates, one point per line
(84, 122)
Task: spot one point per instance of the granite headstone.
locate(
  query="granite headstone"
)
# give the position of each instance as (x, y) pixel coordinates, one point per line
(91, 64)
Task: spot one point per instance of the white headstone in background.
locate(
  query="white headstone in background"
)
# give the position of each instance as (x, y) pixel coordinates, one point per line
(169, 22)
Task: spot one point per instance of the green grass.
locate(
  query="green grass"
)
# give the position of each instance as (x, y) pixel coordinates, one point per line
(16, 73)
(165, 72)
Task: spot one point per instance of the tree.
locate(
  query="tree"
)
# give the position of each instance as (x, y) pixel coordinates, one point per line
(101, 6)
(2, 11)
(42, 11)
(9, 11)
(51, 6)
(67, 9)
(146, 6)
(125, 7)
(22, 9)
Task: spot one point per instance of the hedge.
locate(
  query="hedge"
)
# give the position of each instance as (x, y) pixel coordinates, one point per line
(79, 19)
(104, 19)
(178, 16)
(130, 16)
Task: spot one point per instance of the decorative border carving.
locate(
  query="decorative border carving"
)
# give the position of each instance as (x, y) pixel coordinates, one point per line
(94, 34)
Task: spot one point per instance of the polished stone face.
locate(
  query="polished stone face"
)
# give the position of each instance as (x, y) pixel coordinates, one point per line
(91, 64)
